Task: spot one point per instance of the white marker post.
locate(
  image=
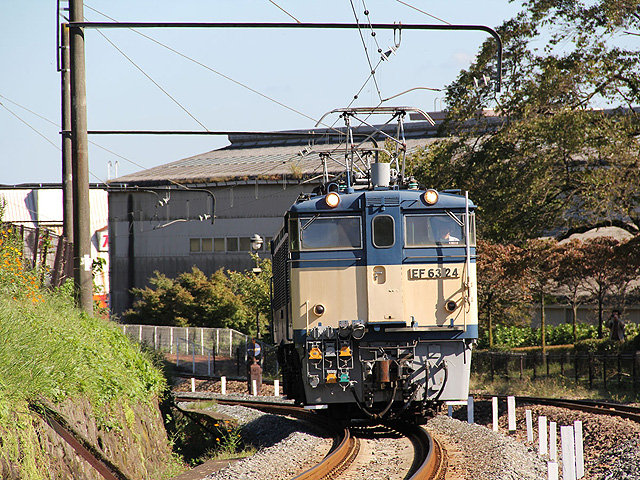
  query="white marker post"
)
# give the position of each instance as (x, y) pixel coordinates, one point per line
(542, 435)
(223, 386)
(568, 453)
(494, 408)
(193, 384)
(552, 470)
(553, 441)
(276, 388)
(511, 412)
(577, 428)
(254, 388)
(529, 420)
(470, 410)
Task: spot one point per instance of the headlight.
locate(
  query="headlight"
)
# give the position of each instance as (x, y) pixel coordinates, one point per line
(450, 306)
(430, 197)
(332, 199)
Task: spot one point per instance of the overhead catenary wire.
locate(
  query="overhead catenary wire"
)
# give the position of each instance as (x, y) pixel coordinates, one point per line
(274, 3)
(216, 72)
(29, 125)
(366, 51)
(330, 127)
(422, 11)
(152, 80)
(172, 182)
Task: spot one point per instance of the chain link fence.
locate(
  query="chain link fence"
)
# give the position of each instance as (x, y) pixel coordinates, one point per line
(206, 352)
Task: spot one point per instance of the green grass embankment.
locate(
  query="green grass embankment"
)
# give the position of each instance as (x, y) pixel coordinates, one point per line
(50, 351)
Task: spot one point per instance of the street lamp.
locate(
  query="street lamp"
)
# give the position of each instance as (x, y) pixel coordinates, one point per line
(256, 244)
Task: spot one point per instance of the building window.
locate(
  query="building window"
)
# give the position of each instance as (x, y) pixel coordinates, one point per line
(232, 244)
(218, 245)
(245, 244)
(194, 244)
(207, 245)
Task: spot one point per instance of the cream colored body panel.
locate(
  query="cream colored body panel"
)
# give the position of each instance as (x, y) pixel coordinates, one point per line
(427, 289)
(384, 293)
(342, 291)
(384, 288)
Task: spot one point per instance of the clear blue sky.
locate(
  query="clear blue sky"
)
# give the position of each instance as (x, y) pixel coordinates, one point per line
(309, 71)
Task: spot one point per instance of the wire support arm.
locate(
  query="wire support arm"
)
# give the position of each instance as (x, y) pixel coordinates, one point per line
(336, 26)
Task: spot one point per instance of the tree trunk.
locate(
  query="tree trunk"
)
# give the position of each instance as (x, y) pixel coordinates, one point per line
(543, 333)
(600, 319)
(574, 308)
(490, 319)
(543, 324)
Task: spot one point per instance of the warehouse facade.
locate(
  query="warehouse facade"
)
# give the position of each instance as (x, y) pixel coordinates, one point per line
(202, 211)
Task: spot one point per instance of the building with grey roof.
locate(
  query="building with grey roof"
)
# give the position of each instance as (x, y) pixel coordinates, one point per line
(202, 211)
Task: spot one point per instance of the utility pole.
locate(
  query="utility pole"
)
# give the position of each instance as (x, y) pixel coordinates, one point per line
(67, 165)
(81, 227)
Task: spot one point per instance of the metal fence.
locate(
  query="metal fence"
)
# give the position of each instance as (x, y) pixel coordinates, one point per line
(595, 371)
(200, 351)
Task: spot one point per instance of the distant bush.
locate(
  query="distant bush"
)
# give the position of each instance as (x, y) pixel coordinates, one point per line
(508, 337)
(224, 299)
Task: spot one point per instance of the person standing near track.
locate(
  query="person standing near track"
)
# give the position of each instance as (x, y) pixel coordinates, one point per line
(616, 325)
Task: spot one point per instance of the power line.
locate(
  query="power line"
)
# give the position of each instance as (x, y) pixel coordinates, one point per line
(422, 11)
(57, 147)
(226, 77)
(29, 125)
(284, 11)
(152, 80)
(366, 51)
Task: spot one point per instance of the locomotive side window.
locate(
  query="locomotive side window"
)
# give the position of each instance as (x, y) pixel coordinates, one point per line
(383, 231)
(333, 233)
(445, 229)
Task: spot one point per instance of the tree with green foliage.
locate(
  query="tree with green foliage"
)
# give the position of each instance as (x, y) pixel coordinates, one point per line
(572, 274)
(547, 160)
(226, 299)
(253, 290)
(192, 299)
(610, 269)
(539, 263)
(503, 298)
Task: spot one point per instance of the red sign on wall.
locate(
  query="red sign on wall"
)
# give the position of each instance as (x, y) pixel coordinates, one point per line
(103, 240)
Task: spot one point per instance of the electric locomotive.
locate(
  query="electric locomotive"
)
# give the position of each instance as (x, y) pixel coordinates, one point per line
(374, 290)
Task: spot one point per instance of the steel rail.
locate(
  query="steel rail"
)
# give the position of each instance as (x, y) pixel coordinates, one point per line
(345, 447)
(107, 469)
(336, 461)
(589, 406)
(430, 461)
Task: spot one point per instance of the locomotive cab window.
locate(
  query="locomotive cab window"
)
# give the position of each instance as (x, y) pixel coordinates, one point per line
(327, 233)
(383, 228)
(446, 229)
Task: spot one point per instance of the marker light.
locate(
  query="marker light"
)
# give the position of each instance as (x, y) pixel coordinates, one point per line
(332, 199)
(430, 197)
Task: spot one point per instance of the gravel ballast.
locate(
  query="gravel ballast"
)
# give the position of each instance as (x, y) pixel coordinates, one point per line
(611, 445)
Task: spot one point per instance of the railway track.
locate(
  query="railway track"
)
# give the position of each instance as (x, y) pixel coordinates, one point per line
(429, 457)
(589, 406)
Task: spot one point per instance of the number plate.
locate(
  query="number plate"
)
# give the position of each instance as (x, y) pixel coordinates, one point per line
(433, 273)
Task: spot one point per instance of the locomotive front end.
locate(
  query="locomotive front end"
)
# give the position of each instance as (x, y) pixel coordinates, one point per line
(381, 314)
